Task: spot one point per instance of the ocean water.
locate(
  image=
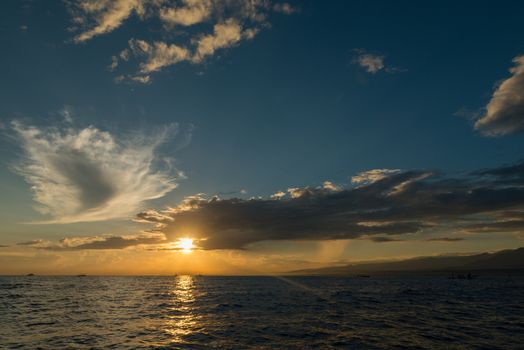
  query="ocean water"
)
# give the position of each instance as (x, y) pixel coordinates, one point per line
(197, 312)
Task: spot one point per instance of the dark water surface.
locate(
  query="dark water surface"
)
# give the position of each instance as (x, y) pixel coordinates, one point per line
(184, 312)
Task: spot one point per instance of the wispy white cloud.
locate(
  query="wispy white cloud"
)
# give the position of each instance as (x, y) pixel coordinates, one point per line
(225, 23)
(504, 113)
(86, 174)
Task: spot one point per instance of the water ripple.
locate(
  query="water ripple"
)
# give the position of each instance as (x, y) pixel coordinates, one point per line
(184, 312)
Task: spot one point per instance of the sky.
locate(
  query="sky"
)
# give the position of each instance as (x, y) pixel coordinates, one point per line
(270, 135)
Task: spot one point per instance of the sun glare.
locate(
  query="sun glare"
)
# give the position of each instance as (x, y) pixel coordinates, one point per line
(186, 245)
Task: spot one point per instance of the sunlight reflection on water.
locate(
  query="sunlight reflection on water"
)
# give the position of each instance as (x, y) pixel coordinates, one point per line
(184, 321)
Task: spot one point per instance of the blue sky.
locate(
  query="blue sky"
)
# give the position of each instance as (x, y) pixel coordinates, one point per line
(323, 91)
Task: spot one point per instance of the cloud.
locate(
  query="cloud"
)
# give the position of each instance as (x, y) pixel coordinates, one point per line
(103, 16)
(106, 242)
(297, 192)
(67, 113)
(396, 203)
(33, 242)
(159, 55)
(374, 175)
(445, 239)
(86, 174)
(192, 12)
(221, 24)
(224, 35)
(330, 186)
(111, 242)
(278, 195)
(373, 63)
(285, 8)
(384, 239)
(489, 200)
(504, 113)
(496, 226)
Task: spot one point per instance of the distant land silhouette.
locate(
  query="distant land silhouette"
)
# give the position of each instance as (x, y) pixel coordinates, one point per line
(505, 261)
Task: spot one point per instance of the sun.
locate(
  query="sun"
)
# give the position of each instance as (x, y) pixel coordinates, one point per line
(186, 245)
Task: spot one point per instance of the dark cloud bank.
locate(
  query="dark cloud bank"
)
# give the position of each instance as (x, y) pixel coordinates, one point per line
(386, 208)
(397, 204)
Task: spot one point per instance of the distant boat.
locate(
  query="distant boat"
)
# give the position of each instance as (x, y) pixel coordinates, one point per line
(30, 274)
(363, 276)
(81, 275)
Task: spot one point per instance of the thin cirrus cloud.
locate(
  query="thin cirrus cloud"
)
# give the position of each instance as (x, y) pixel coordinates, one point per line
(504, 114)
(221, 24)
(400, 206)
(86, 174)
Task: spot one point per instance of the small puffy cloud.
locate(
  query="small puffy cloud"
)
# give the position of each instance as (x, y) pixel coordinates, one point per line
(278, 195)
(86, 174)
(504, 113)
(374, 175)
(190, 13)
(224, 35)
(328, 185)
(373, 63)
(144, 79)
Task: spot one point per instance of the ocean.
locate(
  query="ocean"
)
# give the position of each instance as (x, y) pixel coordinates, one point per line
(201, 312)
